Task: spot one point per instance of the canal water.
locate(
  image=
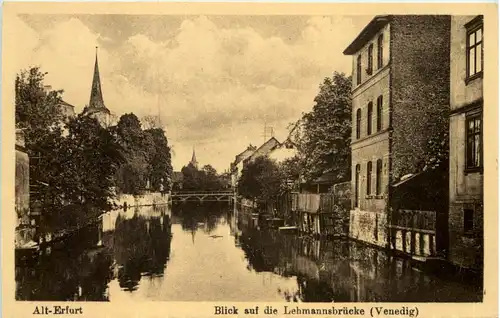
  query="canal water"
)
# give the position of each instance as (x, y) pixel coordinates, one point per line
(211, 252)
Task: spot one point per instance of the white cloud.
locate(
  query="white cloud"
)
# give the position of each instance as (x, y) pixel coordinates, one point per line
(215, 86)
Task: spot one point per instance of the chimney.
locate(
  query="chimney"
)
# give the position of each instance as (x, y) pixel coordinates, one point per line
(47, 88)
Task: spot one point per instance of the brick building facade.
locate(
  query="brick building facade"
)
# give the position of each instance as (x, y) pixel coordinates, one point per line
(466, 149)
(400, 98)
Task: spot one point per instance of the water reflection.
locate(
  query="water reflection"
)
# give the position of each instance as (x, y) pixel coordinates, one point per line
(126, 246)
(213, 252)
(345, 271)
(141, 247)
(77, 271)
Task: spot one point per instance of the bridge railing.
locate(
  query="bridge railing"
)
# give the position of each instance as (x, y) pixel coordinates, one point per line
(212, 192)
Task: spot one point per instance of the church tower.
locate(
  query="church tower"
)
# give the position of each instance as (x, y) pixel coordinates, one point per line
(193, 161)
(96, 107)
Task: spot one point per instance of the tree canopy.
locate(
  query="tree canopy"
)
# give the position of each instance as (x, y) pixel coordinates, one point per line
(260, 179)
(75, 161)
(147, 157)
(72, 161)
(204, 179)
(322, 136)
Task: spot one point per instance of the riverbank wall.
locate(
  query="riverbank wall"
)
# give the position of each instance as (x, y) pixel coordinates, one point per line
(146, 199)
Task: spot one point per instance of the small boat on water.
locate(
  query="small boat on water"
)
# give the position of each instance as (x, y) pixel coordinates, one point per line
(288, 229)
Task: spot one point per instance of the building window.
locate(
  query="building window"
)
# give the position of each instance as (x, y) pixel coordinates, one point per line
(468, 221)
(379, 112)
(358, 124)
(378, 181)
(358, 70)
(369, 119)
(369, 69)
(369, 178)
(474, 48)
(380, 51)
(356, 186)
(474, 142)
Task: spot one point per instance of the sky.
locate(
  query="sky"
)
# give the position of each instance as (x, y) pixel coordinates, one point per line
(215, 81)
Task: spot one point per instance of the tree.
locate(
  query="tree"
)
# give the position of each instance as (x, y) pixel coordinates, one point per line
(89, 163)
(37, 109)
(209, 179)
(289, 173)
(73, 171)
(160, 161)
(190, 180)
(38, 115)
(132, 176)
(322, 136)
(260, 180)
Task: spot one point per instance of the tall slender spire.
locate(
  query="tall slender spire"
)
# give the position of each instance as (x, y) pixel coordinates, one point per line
(194, 162)
(96, 100)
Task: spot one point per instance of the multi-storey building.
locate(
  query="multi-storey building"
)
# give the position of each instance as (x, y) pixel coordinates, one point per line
(400, 98)
(466, 144)
(237, 165)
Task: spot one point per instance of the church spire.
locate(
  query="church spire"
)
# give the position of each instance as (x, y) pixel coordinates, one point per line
(194, 162)
(96, 100)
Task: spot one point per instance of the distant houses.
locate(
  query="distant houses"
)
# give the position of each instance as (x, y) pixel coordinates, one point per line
(237, 165)
(272, 149)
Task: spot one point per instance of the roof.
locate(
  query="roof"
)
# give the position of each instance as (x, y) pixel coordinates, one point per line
(375, 25)
(325, 178)
(89, 111)
(63, 103)
(253, 156)
(239, 157)
(96, 100)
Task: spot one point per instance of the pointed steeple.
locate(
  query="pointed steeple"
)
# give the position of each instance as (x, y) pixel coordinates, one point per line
(194, 162)
(96, 101)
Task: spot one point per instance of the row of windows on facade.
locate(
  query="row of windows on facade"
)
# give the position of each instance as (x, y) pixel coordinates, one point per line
(380, 59)
(369, 177)
(473, 157)
(474, 54)
(380, 103)
(473, 127)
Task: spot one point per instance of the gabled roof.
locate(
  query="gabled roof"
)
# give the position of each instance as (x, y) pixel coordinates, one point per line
(239, 158)
(63, 103)
(375, 25)
(272, 139)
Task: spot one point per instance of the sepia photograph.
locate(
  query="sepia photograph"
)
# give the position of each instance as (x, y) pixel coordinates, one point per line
(291, 158)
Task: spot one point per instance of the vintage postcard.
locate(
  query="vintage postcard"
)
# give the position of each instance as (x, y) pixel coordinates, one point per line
(249, 160)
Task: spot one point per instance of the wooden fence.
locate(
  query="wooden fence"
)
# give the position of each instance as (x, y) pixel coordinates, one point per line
(319, 214)
(414, 232)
